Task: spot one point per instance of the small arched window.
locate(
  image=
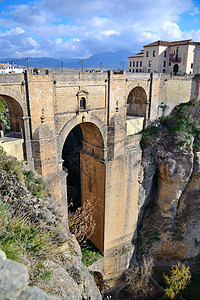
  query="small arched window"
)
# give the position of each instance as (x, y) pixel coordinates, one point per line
(82, 103)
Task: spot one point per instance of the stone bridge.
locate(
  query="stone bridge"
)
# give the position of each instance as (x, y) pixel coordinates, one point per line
(79, 128)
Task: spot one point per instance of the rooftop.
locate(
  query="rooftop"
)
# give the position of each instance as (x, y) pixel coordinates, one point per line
(165, 43)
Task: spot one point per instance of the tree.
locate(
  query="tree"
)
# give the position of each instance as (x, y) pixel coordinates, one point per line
(178, 279)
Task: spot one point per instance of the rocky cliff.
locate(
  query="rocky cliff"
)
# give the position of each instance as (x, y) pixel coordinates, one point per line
(33, 231)
(170, 186)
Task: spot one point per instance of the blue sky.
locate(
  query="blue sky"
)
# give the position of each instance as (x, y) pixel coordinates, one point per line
(77, 28)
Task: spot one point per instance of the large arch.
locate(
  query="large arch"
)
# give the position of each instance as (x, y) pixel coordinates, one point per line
(83, 157)
(137, 102)
(75, 121)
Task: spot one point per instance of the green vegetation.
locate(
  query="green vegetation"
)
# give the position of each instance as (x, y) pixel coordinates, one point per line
(4, 116)
(22, 237)
(177, 281)
(10, 165)
(18, 237)
(147, 136)
(35, 184)
(40, 271)
(183, 123)
(22, 240)
(90, 256)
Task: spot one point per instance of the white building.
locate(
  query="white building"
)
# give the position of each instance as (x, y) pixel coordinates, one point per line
(178, 58)
(10, 68)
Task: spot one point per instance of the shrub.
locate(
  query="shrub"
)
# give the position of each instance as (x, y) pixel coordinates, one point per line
(82, 223)
(22, 241)
(178, 279)
(137, 279)
(147, 136)
(89, 256)
(34, 184)
(4, 116)
(11, 165)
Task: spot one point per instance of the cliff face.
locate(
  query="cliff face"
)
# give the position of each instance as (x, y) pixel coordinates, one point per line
(34, 231)
(170, 189)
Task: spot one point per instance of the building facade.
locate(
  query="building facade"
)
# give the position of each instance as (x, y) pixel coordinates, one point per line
(6, 68)
(177, 58)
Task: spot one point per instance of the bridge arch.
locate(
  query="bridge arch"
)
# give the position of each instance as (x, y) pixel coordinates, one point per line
(137, 102)
(83, 157)
(76, 121)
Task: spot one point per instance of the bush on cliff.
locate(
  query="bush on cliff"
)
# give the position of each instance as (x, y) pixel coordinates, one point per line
(137, 279)
(31, 226)
(177, 280)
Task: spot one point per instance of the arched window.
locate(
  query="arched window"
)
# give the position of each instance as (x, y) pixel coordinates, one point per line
(82, 103)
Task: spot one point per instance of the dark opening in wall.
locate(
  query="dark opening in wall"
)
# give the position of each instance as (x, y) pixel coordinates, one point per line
(71, 157)
(82, 103)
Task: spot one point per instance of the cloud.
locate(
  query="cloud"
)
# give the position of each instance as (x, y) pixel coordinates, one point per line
(195, 11)
(66, 28)
(30, 15)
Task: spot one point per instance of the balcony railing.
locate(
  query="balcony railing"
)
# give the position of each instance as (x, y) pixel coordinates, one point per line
(176, 59)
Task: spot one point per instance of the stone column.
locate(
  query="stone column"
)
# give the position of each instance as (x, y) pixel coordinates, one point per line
(27, 141)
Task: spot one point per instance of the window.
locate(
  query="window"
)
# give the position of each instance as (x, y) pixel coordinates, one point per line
(140, 70)
(133, 64)
(147, 54)
(163, 70)
(133, 70)
(149, 70)
(130, 63)
(164, 63)
(136, 63)
(149, 63)
(140, 63)
(165, 53)
(82, 103)
(191, 65)
(136, 70)
(154, 53)
(129, 70)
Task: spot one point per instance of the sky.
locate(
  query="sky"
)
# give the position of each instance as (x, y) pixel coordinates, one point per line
(81, 28)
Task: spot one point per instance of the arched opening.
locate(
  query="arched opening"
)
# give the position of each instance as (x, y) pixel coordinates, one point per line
(11, 114)
(12, 126)
(71, 156)
(82, 103)
(175, 69)
(83, 155)
(137, 102)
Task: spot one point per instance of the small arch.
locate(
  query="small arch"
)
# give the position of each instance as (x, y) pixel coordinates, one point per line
(12, 125)
(98, 278)
(175, 69)
(137, 102)
(15, 113)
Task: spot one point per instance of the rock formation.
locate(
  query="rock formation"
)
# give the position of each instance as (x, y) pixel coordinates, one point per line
(169, 193)
(69, 277)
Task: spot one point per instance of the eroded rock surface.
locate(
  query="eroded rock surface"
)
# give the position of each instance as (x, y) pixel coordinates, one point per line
(170, 189)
